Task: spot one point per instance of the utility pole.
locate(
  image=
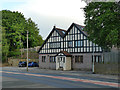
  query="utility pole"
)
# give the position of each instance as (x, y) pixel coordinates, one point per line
(27, 50)
(21, 47)
(93, 71)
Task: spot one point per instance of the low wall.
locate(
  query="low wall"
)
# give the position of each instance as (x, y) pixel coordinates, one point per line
(14, 62)
(107, 68)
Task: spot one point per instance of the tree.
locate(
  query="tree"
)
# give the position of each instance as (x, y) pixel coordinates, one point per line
(15, 27)
(103, 23)
(34, 37)
(5, 46)
(13, 22)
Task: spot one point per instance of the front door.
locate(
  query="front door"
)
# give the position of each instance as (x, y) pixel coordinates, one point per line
(61, 62)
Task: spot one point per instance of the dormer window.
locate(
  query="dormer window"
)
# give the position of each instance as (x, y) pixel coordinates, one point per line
(63, 32)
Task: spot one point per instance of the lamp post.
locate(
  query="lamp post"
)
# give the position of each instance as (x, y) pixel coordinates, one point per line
(21, 46)
(93, 68)
(27, 50)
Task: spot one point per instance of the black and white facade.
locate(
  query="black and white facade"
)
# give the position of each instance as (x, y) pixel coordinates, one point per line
(72, 43)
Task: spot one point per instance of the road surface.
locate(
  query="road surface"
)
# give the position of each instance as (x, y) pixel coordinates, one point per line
(16, 79)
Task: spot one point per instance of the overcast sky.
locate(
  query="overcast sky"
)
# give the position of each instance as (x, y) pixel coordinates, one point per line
(47, 13)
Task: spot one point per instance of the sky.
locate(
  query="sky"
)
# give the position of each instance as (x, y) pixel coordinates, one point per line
(47, 13)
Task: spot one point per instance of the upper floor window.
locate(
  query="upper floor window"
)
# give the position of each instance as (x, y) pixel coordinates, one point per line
(54, 45)
(43, 58)
(70, 44)
(78, 43)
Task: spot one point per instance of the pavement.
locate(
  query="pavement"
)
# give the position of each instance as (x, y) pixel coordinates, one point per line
(72, 72)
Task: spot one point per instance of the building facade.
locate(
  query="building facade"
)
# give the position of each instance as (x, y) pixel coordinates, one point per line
(72, 43)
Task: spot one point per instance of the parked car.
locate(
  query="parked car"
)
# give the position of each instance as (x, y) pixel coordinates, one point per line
(22, 64)
(33, 64)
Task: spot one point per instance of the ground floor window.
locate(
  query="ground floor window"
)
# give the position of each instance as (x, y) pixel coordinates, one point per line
(79, 59)
(43, 58)
(97, 58)
(52, 59)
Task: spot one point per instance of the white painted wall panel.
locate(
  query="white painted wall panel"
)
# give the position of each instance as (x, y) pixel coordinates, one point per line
(87, 43)
(84, 42)
(71, 31)
(76, 37)
(75, 30)
(81, 49)
(75, 49)
(81, 36)
(87, 49)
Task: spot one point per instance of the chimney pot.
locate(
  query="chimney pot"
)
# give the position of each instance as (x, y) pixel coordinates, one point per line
(54, 26)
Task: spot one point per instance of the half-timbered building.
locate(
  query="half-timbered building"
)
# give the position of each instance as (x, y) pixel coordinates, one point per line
(68, 50)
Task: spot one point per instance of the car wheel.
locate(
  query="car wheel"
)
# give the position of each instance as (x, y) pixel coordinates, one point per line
(33, 65)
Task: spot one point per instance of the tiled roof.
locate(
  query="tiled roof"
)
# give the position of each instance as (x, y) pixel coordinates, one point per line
(61, 32)
(81, 28)
(65, 53)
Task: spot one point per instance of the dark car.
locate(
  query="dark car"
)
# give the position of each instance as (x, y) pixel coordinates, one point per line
(22, 64)
(33, 64)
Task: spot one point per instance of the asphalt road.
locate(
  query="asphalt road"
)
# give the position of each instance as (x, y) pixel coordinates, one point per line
(23, 79)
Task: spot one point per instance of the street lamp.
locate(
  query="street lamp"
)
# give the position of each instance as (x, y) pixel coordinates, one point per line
(27, 50)
(93, 66)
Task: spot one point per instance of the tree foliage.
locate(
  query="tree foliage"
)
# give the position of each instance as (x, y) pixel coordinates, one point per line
(5, 46)
(15, 27)
(103, 23)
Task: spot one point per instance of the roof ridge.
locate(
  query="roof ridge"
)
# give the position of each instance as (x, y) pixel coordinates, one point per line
(60, 29)
(79, 24)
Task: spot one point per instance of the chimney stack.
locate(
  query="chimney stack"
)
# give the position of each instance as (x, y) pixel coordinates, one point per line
(54, 26)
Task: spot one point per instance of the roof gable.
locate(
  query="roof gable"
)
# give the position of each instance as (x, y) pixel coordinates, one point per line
(63, 33)
(79, 27)
(59, 31)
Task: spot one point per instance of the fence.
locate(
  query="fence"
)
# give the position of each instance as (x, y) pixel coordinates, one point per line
(111, 64)
(111, 57)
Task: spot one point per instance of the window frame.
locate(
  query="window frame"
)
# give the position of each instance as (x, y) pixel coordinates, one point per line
(79, 59)
(54, 45)
(43, 58)
(99, 59)
(70, 44)
(80, 42)
(52, 59)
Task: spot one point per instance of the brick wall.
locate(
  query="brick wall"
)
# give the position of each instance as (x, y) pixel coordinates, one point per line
(86, 65)
(87, 62)
(14, 62)
(47, 64)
